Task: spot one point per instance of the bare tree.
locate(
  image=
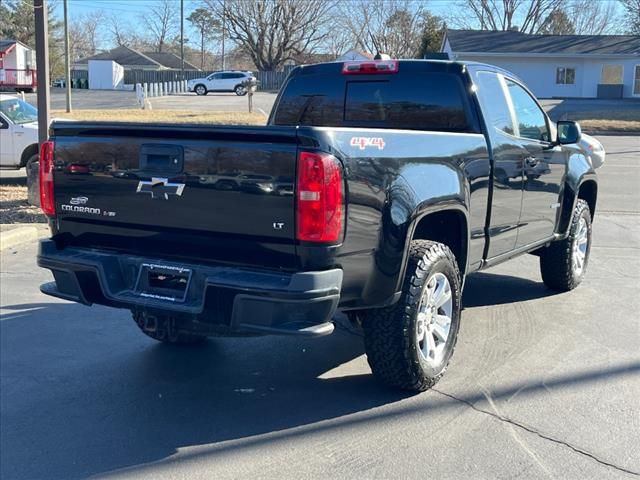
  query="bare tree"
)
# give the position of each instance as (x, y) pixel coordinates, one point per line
(632, 8)
(592, 18)
(273, 31)
(525, 15)
(394, 27)
(207, 26)
(162, 20)
(121, 32)
(339, 40)
(84, 34)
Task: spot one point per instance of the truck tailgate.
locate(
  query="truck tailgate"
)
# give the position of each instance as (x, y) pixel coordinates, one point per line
(224, 193)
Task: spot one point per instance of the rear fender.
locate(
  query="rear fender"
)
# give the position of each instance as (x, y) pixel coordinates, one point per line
(420, 191)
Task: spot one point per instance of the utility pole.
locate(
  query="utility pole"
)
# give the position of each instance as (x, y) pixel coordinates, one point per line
(224, 19)
(42, 67)
(181, 38)
(67, 60)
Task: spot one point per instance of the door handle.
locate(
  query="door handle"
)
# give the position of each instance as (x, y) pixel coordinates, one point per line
(531, 161)
(19, 134)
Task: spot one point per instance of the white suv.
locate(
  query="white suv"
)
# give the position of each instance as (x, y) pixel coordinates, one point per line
(228, 81)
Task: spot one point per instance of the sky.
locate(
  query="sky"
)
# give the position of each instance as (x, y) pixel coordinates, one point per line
(132, 9)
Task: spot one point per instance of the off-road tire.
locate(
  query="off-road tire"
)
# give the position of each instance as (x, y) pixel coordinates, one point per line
(390, 333)
(203, 89)
(556, 261)
(165, 330)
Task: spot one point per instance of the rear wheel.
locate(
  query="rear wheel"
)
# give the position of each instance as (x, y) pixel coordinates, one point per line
(31, 161)
(164, 329)
(409, 344)
(563, 264)
(33, 180)
(200, 89)
(240, 90)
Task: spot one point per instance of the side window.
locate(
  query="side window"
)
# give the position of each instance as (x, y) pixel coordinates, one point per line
(215, 76)
(565, 76)
(493, 102)
(532, 122)
(3, 123)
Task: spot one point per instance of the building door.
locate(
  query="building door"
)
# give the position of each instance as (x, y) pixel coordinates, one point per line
(636, 82)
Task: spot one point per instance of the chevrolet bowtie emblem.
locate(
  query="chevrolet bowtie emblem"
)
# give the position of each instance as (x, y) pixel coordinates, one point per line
(160, 188)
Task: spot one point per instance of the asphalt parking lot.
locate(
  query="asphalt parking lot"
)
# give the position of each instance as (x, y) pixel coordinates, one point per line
(105, 99)
(542, 385)
(230, 102)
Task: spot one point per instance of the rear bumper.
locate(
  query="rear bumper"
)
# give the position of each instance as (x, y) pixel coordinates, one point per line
(217, 299)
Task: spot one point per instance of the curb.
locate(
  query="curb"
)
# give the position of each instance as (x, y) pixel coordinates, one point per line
(20, 236)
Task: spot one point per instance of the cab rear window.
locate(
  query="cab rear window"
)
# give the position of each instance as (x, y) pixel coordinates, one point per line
(428, 101)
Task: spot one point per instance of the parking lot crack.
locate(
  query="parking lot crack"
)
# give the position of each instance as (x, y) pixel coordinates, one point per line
(532, 430)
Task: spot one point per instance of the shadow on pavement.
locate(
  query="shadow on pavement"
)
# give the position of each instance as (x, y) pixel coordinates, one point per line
(83, 392)
(483, 289)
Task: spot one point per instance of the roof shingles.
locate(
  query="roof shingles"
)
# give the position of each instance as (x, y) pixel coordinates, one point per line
(128, 56)
(482, 41)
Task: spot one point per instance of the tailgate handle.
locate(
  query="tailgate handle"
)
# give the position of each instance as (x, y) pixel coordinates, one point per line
(161, 158)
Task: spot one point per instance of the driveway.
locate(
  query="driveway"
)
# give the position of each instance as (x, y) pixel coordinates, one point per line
(542, 385)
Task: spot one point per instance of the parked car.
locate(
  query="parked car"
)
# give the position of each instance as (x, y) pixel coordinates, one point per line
(594, 149)
(18, 132)
(59, 83)
(394, 199)
(227, 81)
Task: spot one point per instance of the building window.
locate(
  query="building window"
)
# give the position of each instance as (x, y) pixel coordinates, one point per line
(611, 75)
(565, 76)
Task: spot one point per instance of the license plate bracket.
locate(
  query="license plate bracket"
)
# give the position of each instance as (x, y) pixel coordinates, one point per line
(163, 282)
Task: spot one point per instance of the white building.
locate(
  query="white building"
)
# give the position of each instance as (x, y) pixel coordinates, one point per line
(556, 66)
(17, 66)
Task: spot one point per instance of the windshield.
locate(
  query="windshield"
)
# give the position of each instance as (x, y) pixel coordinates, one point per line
(18, 111)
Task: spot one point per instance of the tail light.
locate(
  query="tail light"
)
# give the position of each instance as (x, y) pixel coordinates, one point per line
(319, 198)
(370, 67)
(47, 202)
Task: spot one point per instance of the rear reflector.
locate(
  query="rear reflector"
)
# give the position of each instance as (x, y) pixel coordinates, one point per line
(370, 67)
(47, 202)
(319, 198)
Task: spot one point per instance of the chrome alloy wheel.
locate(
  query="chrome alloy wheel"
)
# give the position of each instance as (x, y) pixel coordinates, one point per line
(580, 245)
(433, 322)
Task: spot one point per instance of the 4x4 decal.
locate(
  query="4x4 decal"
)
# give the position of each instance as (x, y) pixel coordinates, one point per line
(364, 142)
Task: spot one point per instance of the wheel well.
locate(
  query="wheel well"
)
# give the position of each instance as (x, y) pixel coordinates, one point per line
(589, 193)
(448, 227)
(28, 152)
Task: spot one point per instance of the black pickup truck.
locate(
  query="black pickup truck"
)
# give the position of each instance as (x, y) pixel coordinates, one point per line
(375, 188)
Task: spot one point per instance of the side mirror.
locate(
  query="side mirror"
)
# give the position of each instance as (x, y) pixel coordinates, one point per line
(568, 132)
